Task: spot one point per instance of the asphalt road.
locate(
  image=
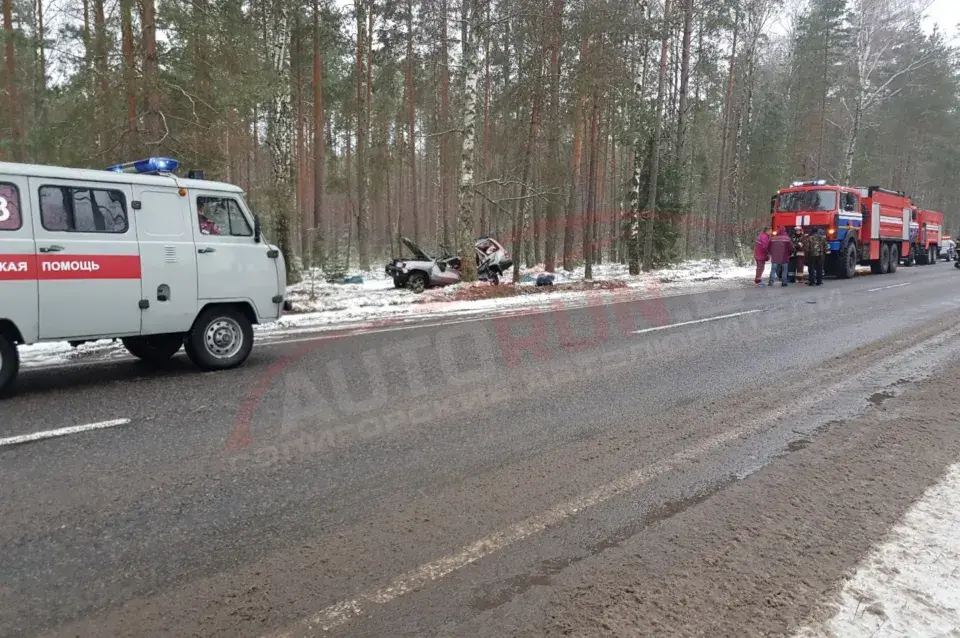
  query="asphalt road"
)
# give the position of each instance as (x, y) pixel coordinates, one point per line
(409, 481)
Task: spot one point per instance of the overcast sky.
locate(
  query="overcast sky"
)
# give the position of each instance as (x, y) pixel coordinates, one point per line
(946, 13)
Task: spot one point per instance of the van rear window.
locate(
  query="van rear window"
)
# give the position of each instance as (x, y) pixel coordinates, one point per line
(74, 209)
(10, 218)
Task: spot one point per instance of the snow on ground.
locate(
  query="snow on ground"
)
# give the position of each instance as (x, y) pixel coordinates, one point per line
(910, 585)
(319, 305)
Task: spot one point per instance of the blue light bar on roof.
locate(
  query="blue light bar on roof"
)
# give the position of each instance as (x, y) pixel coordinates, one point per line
(816, 182)
(151, 165)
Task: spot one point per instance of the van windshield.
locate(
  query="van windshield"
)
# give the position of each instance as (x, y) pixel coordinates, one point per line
(807, 201)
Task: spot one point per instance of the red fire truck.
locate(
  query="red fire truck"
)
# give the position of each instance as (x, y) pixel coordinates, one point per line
(926, 237)
(864, 226)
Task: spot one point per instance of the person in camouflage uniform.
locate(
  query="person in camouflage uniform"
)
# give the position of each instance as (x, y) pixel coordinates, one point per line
(815, 252)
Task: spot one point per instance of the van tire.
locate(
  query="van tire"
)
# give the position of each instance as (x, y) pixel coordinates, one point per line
(155, 349)
(9, 365)
(212, 344)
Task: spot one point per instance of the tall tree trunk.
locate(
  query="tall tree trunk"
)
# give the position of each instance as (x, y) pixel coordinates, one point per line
(40, 99)
(486, 210)
(467, 214)
(721, 174)
(570, 224)
(412, 127)
(129, 74)
(442, 166)
(681, 166)
(363, 205)
(13, 101)
(280, 136)
(851, 144)
(554, 161)
(319, 144)
(823, 99)
(591, 204)
(521, 241)
(155, 128)
(301, 152)
(100, 72)
(655, 147)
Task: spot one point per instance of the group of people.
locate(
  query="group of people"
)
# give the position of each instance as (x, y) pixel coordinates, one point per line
(810, 250)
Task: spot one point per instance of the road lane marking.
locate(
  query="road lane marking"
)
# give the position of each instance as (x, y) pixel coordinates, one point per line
(906, 283)
(342, 612)
(690, 323)
(50, 434)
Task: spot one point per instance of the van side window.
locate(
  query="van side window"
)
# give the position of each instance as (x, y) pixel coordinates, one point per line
(222, 216)
(9, 207)
(74, 209)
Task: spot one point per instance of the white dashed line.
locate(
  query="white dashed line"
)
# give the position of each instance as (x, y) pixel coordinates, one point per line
(906, 283)
(50, 434)
(690, 323)
(342, 612)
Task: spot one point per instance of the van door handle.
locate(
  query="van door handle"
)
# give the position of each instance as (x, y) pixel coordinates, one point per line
(51, 249)
(204, 251)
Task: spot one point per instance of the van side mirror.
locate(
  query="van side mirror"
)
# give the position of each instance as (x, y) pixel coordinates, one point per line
(257, 229)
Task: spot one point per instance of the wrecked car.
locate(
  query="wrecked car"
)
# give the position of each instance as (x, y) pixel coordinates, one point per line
(423, 271)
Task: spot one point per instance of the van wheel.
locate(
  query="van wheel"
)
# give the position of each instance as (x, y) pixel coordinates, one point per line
(155, 349)
(221, 338)
(9, 365)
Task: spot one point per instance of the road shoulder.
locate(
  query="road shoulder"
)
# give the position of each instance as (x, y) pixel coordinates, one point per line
(763, 556)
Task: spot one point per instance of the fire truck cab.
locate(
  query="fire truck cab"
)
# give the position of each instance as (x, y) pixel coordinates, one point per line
(133, 253)
(864, 226)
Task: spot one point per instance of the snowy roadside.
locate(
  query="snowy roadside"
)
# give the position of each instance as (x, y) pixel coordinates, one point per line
(909, 585)
(320, 306)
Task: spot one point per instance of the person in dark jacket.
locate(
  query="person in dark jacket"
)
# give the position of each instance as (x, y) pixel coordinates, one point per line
(781, 249)
(761, 254)
(816, 252)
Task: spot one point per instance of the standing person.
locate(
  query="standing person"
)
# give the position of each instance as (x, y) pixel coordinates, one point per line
(799, 239)
(761, 254)
(781, 249)
(816, 250)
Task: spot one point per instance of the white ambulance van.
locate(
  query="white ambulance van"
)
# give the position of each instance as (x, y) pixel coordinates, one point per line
(133, 253)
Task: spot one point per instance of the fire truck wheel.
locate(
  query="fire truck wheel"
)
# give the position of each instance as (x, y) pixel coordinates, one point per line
(220, 339)
(847, 265)
(894, 258)
(9, 364)
(884, 259)
(155, 349)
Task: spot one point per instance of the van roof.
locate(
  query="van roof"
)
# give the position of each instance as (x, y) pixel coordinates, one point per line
(93, 175)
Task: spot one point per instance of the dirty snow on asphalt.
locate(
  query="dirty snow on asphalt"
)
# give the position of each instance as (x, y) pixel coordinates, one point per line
(910, 585)
(319, 305)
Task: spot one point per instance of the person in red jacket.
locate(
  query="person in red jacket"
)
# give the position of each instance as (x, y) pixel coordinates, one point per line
(761, 254)
(781, 249)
